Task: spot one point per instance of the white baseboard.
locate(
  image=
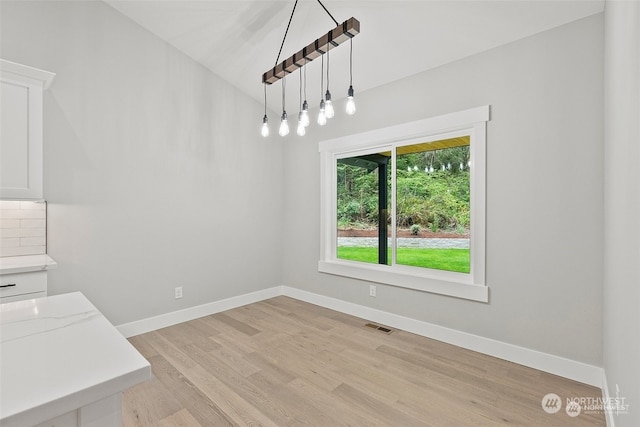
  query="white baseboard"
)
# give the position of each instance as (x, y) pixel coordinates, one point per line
(169, 319)
(556, 365)
(608, 415)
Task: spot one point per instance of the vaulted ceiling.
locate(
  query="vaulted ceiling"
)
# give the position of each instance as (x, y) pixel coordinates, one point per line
(239, 39)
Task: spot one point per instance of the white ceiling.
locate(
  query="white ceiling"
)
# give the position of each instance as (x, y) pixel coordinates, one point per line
(239, 39)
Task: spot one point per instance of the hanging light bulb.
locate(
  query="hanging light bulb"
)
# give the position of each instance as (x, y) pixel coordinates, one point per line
(328, 105)
(265, 121)
(301, 131)
(305, 114)
(322, 118)
(305, 105)
(284, 125)
(351, 104)
(301, 128)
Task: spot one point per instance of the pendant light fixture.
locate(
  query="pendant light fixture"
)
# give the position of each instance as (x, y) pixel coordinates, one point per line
(321, 46)
(322, 117)
(284, 125)
(328, 105)
(265, 121)
(351, 104)
(305, 105)
(301, 127)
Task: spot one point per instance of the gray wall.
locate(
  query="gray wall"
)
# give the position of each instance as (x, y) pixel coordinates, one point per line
(152, 175)
(622, 206)
(544, 191)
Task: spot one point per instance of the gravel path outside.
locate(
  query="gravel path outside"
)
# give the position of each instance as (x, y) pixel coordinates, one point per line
(406, 242)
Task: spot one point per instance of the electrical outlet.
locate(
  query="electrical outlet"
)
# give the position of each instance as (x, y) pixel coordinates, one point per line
(372, 290)
(179, 292)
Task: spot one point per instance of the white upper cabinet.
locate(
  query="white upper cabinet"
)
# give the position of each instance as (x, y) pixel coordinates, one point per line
(21, 117)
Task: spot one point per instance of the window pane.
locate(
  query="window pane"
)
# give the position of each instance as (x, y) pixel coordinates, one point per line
(433, 210)
(363, 184)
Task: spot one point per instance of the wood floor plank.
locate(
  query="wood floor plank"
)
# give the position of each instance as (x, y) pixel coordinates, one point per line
(143, 346)
(181, 334)
(277, 369)
(383, 411)
(299, 409)
(280, 320)
(170, 351)
(240, 410)
(235, 340)
(303, 365)
(204, 329)
(198, 406)
(284, 362)
(244, 388)
(237, 361)
(148, 403)
(240, 326)
(182, 418)
(348, 414)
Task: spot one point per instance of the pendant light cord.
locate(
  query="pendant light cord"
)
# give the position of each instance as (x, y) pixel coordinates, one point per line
(331, 16)
(328, 49)
(285, 33)
(265, 98)
(351, 61)
(283, 105)
(322, 77)
(289, 24)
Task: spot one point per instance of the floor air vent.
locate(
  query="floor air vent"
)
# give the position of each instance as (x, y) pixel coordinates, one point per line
(379, 328)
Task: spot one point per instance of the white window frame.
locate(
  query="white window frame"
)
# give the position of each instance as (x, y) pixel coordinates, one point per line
(470, 285)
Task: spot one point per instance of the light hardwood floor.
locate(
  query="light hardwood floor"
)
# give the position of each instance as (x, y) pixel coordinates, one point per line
(283, 362)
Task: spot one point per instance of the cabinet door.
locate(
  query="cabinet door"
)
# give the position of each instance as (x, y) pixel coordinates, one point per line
(20, 140)
(21, 91)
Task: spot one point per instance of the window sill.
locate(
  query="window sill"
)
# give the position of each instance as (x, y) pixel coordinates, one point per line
(449, 286)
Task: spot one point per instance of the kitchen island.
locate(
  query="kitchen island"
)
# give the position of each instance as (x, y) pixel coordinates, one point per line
(63, 363)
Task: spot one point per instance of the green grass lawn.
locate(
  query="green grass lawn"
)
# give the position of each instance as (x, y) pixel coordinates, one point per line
(440, 259)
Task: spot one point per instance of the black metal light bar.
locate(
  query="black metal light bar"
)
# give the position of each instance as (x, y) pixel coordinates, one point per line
(348, 29)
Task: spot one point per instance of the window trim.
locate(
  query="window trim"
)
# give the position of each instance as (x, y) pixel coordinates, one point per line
(462, 285)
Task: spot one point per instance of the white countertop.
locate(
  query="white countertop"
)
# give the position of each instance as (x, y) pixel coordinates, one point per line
(26, 263)
(60, 353)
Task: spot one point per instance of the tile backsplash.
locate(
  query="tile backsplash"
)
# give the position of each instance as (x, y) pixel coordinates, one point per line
(23, 228)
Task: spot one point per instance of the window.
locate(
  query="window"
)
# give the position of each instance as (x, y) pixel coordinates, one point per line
(405, 205)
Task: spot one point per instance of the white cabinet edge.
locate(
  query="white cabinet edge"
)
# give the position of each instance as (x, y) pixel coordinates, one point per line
(46, 77)
(26, 264)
